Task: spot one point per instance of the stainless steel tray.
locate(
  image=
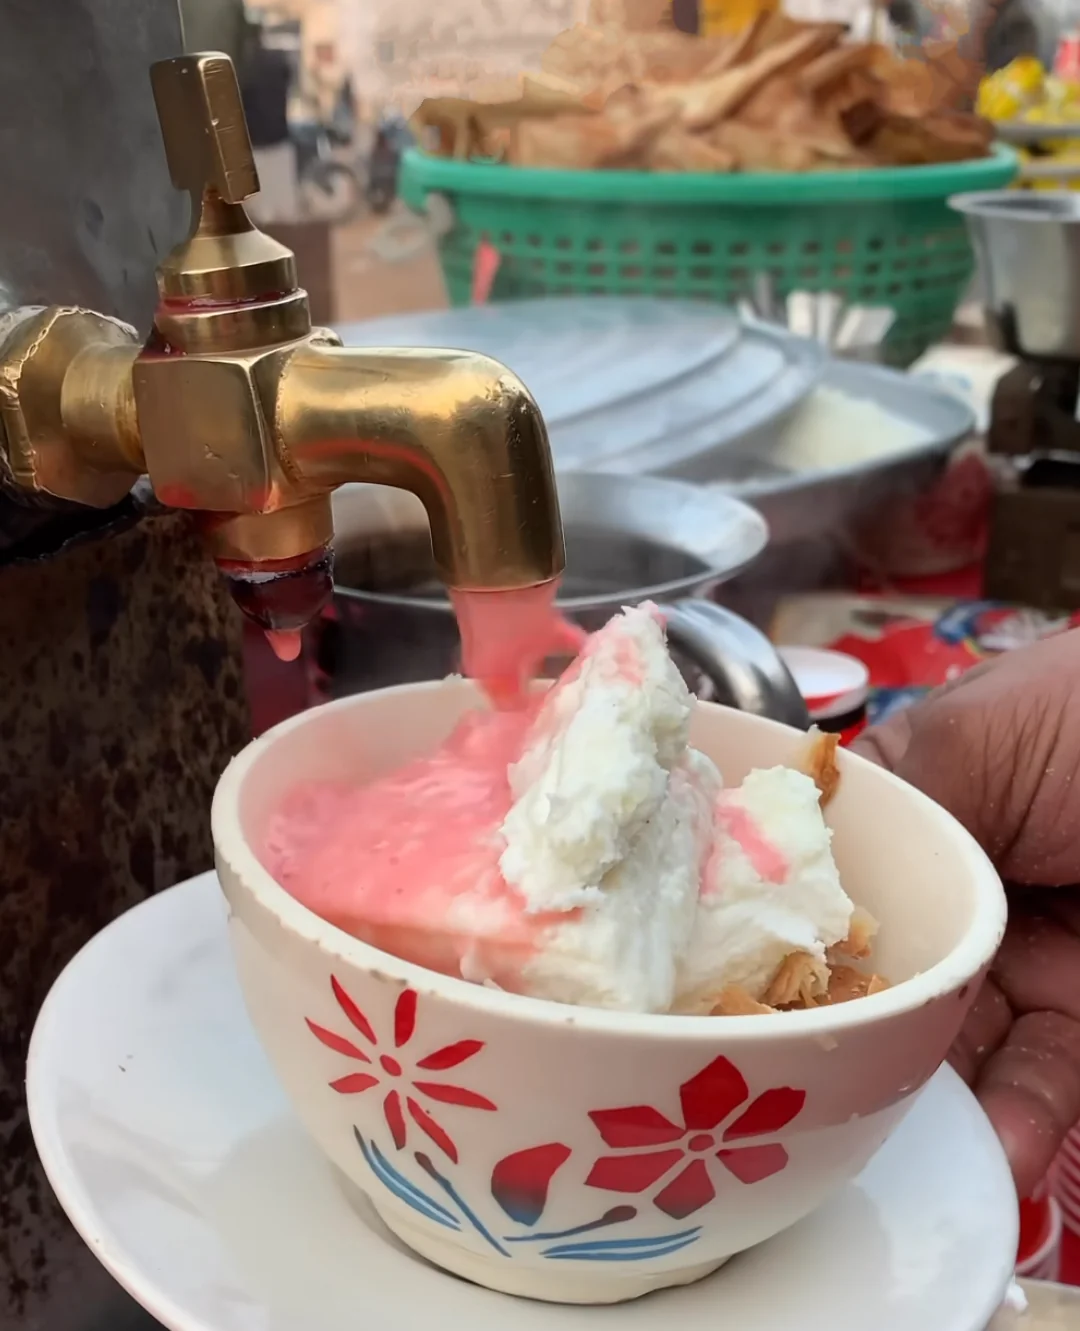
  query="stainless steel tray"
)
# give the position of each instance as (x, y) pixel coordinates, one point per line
(629, 386)
(807, 504)
(753, 389)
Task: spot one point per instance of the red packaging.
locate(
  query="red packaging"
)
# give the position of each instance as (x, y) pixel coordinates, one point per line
(1039, 1253)
(911, 645)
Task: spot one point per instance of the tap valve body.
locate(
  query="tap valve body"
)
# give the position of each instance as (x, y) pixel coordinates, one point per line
(238, 410)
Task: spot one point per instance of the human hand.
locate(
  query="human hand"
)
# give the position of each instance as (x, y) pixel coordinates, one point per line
(1000, 749)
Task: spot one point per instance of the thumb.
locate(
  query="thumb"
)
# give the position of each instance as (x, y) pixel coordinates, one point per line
(887, 743)
(996, 750)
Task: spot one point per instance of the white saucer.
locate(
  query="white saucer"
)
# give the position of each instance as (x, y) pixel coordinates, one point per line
(175, 1154)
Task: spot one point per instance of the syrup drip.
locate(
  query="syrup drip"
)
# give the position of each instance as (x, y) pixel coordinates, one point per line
(286, 643)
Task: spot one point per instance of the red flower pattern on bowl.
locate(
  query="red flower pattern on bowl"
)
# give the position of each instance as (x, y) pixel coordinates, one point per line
(386, 1070)
(709, 1100)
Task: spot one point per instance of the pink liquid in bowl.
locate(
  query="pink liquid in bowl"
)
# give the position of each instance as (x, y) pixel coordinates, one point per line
(409, 862)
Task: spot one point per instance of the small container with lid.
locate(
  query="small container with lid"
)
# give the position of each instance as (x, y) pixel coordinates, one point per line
(835, 687)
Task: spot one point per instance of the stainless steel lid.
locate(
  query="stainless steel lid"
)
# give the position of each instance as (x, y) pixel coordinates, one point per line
(803, 501)
(626, 385)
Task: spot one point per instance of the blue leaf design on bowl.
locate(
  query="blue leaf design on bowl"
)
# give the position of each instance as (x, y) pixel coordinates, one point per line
(624, 1250)
(403, 1189)
(579, 1249)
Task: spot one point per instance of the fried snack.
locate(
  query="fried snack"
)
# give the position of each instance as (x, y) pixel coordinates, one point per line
(640, 115)
(704, 105)
(800, 982)
(632, 122)
(673, 57)
(741, 48)
(458, 127)
(850, 104)
(626, 91)
(803, 981)
(827, 69)
(761, 149)
(566, 142)
(734, 1001)
(678, 150)
(846, 984)
(819, 763)
(944, 137)
(860, 940)
(792, 116)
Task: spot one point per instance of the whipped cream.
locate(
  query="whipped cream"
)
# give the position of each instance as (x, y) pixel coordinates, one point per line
(770, 889)
(684, 888)
(597, 766)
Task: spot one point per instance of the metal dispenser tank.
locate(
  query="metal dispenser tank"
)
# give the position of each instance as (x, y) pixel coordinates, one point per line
(211, 396)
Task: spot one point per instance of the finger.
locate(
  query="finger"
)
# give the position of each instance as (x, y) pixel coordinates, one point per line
(997, 750)
(887, 743)
(1030, 1090)
(1064, 906)
(987, 1025)
(946, 748)
(1038, 965)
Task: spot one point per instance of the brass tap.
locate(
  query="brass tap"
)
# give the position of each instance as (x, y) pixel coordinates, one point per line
(237, 409)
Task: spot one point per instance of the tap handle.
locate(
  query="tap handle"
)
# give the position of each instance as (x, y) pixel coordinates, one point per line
(224, 257)
(202, 123)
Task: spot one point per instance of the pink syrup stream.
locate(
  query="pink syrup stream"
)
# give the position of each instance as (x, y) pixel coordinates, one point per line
(506, 635)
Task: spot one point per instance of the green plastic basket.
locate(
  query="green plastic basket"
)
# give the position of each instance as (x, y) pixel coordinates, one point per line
(884, 236)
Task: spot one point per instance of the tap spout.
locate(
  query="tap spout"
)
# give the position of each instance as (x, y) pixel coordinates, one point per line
(457, 429)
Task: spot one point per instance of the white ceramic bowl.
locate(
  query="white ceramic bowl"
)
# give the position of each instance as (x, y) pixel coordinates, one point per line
(578, 1155)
